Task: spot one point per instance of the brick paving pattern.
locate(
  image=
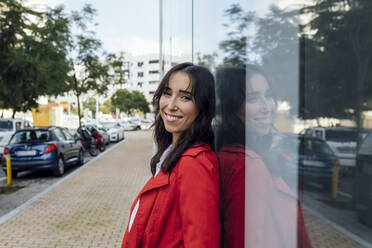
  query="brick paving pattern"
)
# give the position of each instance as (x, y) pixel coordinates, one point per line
(324, 236)
(91, 209)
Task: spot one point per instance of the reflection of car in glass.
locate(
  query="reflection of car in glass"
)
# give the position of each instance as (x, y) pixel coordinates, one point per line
(363, 180)
(50, 148)
(8, 128)
(114, 130)
(342, 141)
(310, 158)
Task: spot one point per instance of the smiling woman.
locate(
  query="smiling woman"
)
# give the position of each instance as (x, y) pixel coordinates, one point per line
(179, 205)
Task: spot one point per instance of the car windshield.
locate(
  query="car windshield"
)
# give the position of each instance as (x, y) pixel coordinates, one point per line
(30, 136)
(314, 146)
(341, 135)
(6, 125)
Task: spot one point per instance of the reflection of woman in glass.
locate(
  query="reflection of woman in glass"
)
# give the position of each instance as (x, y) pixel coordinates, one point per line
(258, 208)
(179, 205)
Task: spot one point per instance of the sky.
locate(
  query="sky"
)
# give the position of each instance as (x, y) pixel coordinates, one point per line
(133, 26)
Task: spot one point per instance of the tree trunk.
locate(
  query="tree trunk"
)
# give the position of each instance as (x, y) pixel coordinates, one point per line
(79, 113)
(14, 112)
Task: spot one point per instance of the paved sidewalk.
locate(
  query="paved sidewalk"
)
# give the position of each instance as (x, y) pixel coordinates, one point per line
(91, 209)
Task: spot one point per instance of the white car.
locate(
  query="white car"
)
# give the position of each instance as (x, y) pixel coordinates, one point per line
(114, 130)
(342, 141)
(8, 128)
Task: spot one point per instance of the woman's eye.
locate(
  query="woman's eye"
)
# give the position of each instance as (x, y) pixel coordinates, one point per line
(167, 93)
(186, 98)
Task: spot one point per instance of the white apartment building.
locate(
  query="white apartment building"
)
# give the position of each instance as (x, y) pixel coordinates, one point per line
(141, 73)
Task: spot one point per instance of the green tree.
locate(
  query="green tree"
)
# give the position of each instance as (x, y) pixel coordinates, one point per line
(140, 102)
(128, 101)
(88, 72)
(341, 42)
(235, 47)
(271, 42)
(120, 72)
(32, 54)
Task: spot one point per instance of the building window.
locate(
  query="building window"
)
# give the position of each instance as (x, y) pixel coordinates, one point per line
(139, 84)
(154, 72)
(155, 61)
(153, 82)
(140, 64)
(140, 74)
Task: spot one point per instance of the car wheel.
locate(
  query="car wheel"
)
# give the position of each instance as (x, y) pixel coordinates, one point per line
(60, 169)
(81, 158)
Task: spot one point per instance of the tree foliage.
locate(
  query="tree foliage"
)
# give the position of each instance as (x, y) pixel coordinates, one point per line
(88, 72)
(128, 101)
(32, 54)
(337, 58)
(270, 41)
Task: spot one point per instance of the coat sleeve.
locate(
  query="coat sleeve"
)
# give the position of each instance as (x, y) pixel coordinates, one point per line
(199, 199)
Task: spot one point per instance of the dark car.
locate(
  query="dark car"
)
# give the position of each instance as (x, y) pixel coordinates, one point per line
(308, 158)
(363, 181)
(50, 148)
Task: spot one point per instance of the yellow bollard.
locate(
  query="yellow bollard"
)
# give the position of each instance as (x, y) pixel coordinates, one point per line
(8, 169)
(336, 167)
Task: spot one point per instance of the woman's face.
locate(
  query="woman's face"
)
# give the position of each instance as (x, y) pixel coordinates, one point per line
(259, 108)
(177, 105)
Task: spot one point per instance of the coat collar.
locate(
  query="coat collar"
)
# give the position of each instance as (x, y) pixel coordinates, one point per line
(158, 181)
(194, 150)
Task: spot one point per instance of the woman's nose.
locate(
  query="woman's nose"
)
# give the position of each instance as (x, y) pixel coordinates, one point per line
(172, 104)
(265, 105)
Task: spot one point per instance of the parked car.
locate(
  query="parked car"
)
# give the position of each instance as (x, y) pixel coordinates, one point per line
(363, 181)
(50, 148)
(342, 141)
(8, 127)
(128, 126)
(136, 121)
(115, 131)
(309, 158)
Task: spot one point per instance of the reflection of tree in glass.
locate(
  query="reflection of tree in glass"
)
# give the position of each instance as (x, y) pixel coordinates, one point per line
(271, 41)
(336, 58)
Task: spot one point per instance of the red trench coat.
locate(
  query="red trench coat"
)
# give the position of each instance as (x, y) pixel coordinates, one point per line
(181, 208)
(273, 216)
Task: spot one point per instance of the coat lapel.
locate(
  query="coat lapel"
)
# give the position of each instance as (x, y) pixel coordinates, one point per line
(160, 180)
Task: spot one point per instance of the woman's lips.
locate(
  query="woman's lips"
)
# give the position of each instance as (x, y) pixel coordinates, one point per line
(263, 119)
(172, 118)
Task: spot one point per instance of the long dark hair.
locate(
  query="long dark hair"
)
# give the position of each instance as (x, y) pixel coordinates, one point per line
(231, 91)
(200, 131)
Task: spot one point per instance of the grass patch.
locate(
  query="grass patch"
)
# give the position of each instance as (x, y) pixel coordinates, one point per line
(9, 189)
